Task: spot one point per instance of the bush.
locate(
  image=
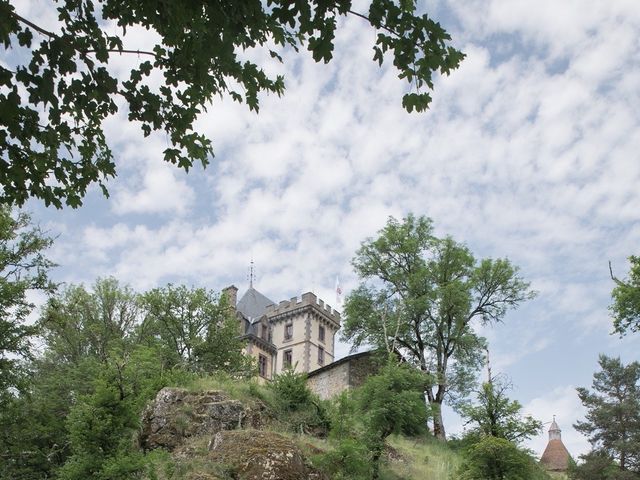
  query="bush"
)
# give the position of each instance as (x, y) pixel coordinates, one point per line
(494, 458)
(296, 406)
(349, 460)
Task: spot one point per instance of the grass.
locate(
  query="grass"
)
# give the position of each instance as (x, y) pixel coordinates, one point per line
(245, 390)
(424, 459)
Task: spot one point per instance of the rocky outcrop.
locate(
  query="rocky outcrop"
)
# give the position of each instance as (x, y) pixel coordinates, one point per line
(177, 414)
(260, 455)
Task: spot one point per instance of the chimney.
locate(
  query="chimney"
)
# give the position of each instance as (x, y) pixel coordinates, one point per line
(231, 293)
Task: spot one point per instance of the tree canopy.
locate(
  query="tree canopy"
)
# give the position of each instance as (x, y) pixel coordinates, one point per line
(23, 268)
(419, 298)
(613, 413)
(494, 414)
(59, 85)
(626, 300)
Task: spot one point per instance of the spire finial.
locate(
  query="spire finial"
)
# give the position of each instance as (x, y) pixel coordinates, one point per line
(251, 274)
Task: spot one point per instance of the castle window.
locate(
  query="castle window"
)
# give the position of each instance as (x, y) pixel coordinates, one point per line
(320, 356)
(287, 360)
(262, 365)
(288, 331)
(321, 333)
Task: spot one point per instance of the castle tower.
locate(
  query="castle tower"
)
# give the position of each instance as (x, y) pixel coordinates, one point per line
(297, 333)
(304, 332)
(556, 456)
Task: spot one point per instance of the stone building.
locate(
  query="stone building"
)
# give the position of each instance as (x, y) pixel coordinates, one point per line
(556, 456)
(346, 373)
(297, 333)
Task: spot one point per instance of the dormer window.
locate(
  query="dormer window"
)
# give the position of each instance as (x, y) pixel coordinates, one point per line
(265, 333)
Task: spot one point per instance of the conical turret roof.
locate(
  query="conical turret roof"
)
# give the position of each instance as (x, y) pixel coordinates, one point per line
(556, 456)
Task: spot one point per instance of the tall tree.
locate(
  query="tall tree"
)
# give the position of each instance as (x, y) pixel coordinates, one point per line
(423, 295)
(613, 412)
(78, 324)
(56, 94)
(196, 328)
(626, 300)
(23, 269)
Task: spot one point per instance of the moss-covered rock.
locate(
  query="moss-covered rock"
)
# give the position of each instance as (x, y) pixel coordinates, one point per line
(260, 455)
(177, 414)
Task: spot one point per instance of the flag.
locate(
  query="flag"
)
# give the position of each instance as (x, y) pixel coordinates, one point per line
(338, 293)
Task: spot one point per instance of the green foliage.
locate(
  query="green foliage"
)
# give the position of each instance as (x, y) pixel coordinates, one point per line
(23, 269)
(54, 102)
(387, 403)
(626, 301)
(195, 329)
(423, 294)
(295, 405)
(349, 459)
(495, 415)
(494, 458)
(599, 466)
(180, 317)
(613, 412)
(222, 349)
(421, 459)
(78, 324)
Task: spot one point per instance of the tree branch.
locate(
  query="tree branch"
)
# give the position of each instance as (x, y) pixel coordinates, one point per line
(53, 35)
(614, 278)
(384, 27)
(34, 26)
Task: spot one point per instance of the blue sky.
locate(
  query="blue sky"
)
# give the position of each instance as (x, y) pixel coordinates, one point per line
(529, 151)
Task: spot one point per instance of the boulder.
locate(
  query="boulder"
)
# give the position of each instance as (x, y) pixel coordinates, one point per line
(260, 455)
(177, 414)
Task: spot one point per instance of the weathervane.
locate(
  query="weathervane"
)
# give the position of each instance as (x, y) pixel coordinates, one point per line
(251, 274)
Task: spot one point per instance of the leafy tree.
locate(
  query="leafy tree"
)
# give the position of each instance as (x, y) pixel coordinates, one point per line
(57, 92)
(613, 412)
(626, 300)
(495, 415)
(391, 402)
(423, 296)
(494, 458)
(194, 325)
(222, 348)
(78, 324)
(23, 269)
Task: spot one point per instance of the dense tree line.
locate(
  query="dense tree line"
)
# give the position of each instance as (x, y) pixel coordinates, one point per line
(73, 383)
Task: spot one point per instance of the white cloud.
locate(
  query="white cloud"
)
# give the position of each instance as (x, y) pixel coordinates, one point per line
(529, 151)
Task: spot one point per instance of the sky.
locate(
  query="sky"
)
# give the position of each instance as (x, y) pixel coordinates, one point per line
(529, 151)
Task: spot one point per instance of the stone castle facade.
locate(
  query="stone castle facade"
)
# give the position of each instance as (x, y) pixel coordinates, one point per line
(298, 333)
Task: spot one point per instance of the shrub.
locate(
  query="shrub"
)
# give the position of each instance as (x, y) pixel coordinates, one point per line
(494, 458)
(296, 406)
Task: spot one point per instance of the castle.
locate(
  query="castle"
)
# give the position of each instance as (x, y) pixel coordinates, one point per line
(298, 333)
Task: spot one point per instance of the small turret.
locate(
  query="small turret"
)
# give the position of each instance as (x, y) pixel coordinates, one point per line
(556, 456)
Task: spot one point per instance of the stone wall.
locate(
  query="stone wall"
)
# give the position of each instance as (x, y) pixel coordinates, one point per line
(348, 372)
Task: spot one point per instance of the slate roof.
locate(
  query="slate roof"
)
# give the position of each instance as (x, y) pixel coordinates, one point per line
(253, 304)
